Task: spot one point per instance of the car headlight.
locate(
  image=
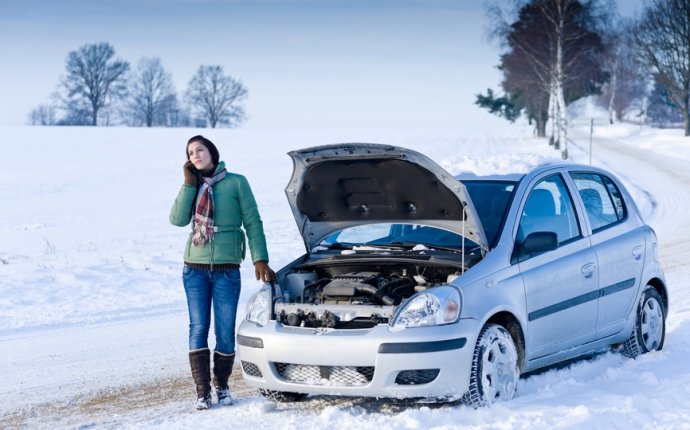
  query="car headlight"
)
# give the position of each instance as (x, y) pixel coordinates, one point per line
(436, 306)
(259, 306)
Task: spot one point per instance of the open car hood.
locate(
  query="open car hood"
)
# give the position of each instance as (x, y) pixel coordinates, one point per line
(343, 185)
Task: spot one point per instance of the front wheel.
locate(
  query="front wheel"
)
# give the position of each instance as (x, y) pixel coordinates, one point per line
(650, 326)
(494, 374)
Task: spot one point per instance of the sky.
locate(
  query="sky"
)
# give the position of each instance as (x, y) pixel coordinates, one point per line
(306, 63)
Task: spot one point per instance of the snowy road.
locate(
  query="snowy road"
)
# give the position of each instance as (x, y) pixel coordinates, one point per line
(664, 181)
(134, 373)
(45, 366)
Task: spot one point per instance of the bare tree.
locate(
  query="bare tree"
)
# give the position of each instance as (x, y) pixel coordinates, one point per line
(627, 85)
(217, 97)
(171, 114)
(661, 111)
(554, 55)
(151, 93)
(42, 115)
(663, 39)
(93, 79)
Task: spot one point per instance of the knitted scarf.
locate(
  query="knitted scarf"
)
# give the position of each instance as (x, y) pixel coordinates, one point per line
(203, 212)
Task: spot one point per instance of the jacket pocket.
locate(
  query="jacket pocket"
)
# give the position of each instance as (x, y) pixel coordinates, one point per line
(229, 246)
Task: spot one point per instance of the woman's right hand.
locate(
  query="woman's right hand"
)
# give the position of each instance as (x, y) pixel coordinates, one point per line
(189, 174)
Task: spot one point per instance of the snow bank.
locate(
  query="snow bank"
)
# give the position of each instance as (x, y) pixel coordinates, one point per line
(91, 296)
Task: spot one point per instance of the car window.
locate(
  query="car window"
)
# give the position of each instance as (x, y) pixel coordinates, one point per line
(491, 199)
(549, 207)
(615, 194)
(602, 199)
(360, 234)
(397, 234)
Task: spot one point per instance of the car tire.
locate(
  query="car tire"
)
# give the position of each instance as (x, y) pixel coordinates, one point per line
(494, 375)
(649, 331)
(283, 396)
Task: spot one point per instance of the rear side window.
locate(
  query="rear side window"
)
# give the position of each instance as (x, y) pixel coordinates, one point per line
(602, 199)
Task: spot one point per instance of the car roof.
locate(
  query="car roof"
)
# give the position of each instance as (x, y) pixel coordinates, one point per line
(517, 177)
(468, 176)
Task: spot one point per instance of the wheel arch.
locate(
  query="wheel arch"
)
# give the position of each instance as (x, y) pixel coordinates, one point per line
(660, 287)
(508, 321)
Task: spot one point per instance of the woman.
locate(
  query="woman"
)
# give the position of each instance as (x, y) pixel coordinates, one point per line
(218, 203)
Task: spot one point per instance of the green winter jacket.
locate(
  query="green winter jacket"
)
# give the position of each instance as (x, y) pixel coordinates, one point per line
(234, 207)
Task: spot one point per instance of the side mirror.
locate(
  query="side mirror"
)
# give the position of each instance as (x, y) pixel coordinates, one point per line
(538, 242)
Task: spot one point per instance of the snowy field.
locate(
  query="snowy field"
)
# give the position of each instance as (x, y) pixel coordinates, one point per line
(93, 324)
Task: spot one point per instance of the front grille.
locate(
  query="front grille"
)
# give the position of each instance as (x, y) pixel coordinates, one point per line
(338, 376)
(358, 323)
(251, 369)
(416, 377)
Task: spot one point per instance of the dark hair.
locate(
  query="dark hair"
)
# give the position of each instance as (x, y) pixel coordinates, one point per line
(215, 156)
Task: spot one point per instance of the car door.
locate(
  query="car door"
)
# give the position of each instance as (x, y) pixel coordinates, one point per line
(561, 284)
(620, 250)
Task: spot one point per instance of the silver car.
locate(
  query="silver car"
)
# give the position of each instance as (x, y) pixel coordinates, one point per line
(420, 284)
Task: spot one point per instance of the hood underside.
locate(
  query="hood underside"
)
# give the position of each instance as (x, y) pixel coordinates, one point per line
(338, 186)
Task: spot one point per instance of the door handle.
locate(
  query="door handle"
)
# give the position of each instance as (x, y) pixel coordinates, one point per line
(588, 269)
(637, 252)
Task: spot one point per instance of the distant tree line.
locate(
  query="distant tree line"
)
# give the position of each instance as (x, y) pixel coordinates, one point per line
(559, 51)
(100, 89)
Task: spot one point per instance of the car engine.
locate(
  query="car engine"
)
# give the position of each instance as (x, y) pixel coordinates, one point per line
(343, 298)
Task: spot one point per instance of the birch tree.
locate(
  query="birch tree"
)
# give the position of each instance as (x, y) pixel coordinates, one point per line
(558, 43)
(570, 26)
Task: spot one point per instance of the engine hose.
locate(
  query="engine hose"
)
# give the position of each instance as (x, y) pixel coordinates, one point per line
(401, 289)
(376, 292)
(384, 294)
(389, 290)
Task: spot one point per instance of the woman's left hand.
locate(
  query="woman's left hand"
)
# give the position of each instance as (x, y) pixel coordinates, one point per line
(263, 272)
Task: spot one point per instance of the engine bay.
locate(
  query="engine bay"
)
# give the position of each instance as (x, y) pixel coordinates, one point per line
(349, 296)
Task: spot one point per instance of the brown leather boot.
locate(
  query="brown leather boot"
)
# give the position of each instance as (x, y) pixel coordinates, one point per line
(222, 368)
(199, 360)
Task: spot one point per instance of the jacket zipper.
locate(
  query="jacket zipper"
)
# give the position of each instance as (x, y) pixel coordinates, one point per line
(211, 244)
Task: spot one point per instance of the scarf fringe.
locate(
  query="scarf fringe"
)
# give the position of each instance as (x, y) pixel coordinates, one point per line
(203, 232)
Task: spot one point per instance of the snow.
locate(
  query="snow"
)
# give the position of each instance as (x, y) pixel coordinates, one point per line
(93, 326)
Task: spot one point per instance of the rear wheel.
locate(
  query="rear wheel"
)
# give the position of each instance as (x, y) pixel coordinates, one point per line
(283, 396)
(650, 327)
(494, 374)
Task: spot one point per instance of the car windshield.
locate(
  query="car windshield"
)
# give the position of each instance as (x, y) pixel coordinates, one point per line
(403, 236)
(491, 200)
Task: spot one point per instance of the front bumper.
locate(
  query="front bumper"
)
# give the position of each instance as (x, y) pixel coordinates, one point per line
(415, 362)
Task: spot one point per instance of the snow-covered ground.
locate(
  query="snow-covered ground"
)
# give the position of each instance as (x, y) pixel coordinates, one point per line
(93, 321)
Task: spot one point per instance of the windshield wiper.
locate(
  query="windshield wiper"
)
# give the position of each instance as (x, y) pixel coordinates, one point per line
(390, 245)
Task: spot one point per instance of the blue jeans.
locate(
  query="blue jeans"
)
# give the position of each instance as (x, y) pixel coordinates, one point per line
(220, 289)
